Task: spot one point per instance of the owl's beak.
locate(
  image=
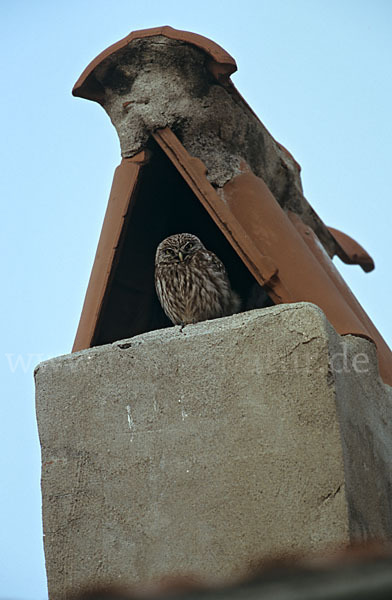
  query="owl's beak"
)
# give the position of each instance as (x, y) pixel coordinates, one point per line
(180, 256)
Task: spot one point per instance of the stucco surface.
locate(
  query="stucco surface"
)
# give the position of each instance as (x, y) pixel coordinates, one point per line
(205, 450)
(158, 82)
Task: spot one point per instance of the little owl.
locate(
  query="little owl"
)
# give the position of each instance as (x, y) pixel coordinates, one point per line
(191, 282)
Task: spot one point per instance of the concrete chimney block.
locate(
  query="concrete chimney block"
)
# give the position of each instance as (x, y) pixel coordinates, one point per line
(204, 450)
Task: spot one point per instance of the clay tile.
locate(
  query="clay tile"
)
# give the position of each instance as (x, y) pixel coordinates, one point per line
(350, 252)
(203, 163)
(221, 64)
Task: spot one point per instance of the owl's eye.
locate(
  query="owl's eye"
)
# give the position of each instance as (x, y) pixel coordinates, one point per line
(188, 246)
(169, 252)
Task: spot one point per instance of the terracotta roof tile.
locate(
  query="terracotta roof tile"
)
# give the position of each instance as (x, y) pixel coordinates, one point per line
(276, 244)
(222, 65)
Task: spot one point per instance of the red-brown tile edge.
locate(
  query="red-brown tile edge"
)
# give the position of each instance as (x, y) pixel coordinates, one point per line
(353, 253)
(123, 187)
(221, 65)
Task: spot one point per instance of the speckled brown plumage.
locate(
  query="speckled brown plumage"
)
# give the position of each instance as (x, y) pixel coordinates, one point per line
(191, 282)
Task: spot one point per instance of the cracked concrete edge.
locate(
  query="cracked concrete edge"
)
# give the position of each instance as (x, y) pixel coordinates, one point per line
(364, 405)
(203, 328)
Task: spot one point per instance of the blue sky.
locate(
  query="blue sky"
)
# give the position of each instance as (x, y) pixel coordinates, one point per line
(317, 73)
